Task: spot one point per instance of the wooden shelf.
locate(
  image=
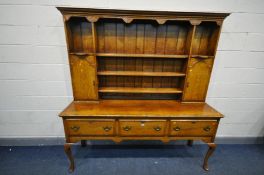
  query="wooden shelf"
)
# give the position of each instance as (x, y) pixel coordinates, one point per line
(81, 53)
(128, 55)
(136, 73)
(202, 56)
(140, 90)
(140, 55)
(131, 55)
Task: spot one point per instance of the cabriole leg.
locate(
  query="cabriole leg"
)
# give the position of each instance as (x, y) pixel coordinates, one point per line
(83, 143)
(210, 151)
(190, 143)
(67, 149)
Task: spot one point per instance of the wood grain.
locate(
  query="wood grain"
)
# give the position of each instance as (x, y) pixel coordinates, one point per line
(193, 127)
(84, 80)
(140, 55)
(137, 73)
(139, 108)
(198, 79)
(90, 127)
(142, 128)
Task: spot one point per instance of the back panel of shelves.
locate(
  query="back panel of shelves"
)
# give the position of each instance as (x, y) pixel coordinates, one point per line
(142, 59)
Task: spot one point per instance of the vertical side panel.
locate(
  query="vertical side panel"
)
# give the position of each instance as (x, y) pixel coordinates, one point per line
(214, 40)
(83, 73)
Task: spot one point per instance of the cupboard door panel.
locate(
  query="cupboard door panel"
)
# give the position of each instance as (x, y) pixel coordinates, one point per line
(198, 77)
(84, 79)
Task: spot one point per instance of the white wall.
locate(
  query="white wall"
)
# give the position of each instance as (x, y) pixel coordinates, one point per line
(34, 72)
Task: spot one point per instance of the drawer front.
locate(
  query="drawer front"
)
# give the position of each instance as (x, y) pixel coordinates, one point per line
(193, 127)
(90, 127)
(142, 127)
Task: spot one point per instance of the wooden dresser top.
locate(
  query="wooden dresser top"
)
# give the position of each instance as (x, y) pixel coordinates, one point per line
(139, 108)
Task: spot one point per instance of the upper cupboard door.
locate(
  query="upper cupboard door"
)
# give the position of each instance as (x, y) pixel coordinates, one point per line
(84, 79)
(198, 78)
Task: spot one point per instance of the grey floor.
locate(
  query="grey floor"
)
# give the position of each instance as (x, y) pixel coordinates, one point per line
(133, 159)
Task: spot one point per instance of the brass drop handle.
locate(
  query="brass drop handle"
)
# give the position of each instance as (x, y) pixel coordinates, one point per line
(75, 128)
(207, 128)
(107, 128)
(176, 128)
(157, 128)
(127, 128)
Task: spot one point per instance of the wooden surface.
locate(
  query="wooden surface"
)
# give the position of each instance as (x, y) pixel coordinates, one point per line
(118, 129)
(90, 127)
(116, 51)
(140, 90)
(193, 127)
(160, 16)
(84, 80)
(137, 73)
(142, 127)
(163, 56)
(198, 79)
(141, 55)
(139, 108)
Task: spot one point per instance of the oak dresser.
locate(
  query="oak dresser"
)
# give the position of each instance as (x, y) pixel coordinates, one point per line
(140, 75)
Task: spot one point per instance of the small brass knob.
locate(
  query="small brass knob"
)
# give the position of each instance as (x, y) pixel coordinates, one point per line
(157, 128)
(75, 128)
(207, 128)
(177, 128)
(107, 128)
(127, 128)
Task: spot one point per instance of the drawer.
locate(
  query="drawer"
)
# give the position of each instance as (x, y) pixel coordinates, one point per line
(89, 127)
(142, 127)
(193, 127)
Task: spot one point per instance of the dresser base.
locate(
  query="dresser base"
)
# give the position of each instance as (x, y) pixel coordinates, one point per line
(68, 152)
(139, 120)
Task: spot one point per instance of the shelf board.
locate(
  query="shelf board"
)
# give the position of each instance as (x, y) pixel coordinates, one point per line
(136, 73)
(202, 56)
(140, 90)
(140, 55)
(128, 55)
(81, 53)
